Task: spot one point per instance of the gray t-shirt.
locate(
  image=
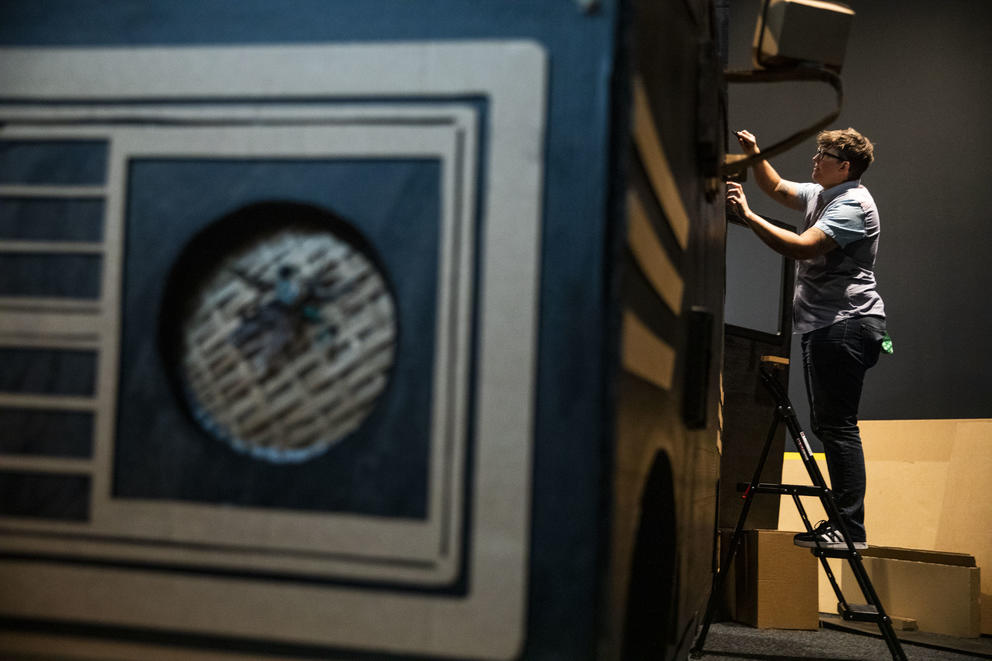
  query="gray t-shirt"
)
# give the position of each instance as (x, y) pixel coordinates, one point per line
(840, 284)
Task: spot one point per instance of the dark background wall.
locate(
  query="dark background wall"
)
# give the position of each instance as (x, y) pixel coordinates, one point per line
(917, 82)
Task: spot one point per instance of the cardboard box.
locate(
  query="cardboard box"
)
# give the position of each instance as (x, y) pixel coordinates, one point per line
(775, 582)
(938, 590)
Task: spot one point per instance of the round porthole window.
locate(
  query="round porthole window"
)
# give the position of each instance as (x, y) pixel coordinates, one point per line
(279, 329)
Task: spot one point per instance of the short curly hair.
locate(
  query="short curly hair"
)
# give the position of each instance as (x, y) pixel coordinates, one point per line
(854, 147)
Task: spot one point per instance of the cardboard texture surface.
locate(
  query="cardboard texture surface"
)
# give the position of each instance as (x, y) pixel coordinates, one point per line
(916, 555)
(775, 582)
(941, 598)
(926, 490)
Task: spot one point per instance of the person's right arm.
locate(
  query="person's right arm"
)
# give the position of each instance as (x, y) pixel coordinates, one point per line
(781, 190)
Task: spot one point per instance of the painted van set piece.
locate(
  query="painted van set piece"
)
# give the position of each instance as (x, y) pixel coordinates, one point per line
(332, 337)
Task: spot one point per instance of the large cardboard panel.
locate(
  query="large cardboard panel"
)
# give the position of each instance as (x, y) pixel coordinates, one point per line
(942, 599)
(966, 509)
(917, 555)
(925, 491)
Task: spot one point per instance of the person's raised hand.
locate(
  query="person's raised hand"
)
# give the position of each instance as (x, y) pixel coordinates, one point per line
(736, 199)
(747, 141)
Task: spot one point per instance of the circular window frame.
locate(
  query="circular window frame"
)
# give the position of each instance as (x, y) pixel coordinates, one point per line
(205, 255)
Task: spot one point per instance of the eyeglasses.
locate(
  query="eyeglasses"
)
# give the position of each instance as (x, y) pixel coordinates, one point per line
(821, 153)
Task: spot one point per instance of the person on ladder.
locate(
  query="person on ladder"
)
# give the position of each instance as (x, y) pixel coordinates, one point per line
(836, 307)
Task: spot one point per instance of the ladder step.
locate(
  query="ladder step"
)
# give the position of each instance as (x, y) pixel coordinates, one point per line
(833, 553)
(783, 489)
(859, 613)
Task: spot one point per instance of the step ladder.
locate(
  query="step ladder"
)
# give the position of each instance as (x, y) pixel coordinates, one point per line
(871, 611)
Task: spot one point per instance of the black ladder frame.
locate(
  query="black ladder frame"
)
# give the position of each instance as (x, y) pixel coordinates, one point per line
(870, 612)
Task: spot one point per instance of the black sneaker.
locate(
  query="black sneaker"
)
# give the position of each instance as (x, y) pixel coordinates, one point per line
(824, 536)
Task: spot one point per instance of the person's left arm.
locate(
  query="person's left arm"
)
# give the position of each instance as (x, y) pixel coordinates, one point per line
(811, 243)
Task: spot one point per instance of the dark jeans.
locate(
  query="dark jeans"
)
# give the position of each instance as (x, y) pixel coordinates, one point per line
(835, 360)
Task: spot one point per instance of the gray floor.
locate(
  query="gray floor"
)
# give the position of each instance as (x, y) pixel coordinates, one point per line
(735, 641)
